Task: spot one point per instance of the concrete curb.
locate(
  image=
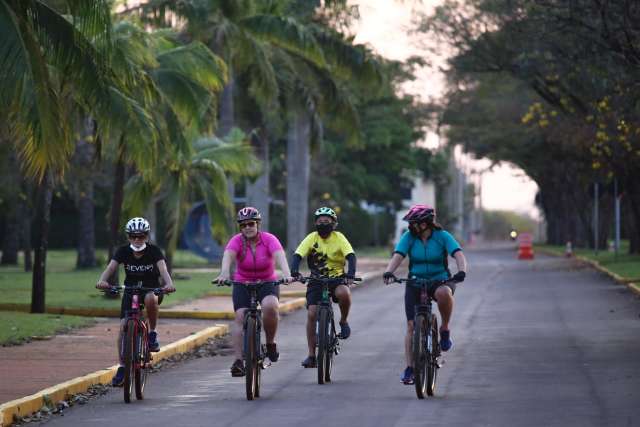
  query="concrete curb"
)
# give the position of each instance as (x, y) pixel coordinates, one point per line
(13, 409)
(633, 287)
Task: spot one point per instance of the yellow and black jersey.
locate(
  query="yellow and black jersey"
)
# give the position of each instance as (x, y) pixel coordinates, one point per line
(325, 257)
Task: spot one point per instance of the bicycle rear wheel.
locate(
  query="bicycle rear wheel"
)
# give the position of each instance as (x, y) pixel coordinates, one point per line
(129, 359)
(142, 358)
(251, 358)
(433, 347)
(419, 356)
(323, 344)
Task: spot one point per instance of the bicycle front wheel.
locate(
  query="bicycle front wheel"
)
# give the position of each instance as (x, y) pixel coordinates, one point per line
(251, 358)
(323, 345)
(142, 359)
(433, 348)
(419, 356)
(129, 359)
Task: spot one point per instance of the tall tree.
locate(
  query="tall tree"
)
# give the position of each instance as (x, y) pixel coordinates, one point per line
(41, 51)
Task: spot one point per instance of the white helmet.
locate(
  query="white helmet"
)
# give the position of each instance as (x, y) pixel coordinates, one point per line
(137, 225)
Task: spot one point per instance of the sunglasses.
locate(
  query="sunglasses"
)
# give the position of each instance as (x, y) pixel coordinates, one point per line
(247, 224)
(137, 236)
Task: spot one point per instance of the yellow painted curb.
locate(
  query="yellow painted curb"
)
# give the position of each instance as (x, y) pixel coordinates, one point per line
(292, 305)
(11, 410)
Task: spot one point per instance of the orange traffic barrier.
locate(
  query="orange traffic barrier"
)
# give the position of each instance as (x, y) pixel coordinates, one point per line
(525, 246)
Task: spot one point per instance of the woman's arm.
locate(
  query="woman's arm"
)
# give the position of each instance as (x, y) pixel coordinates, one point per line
(228, 258)
(461, 261)
(108, 272)
(394, 263)
(281, 262)
(168, 283)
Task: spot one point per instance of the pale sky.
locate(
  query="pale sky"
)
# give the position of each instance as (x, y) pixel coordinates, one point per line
(384, 25)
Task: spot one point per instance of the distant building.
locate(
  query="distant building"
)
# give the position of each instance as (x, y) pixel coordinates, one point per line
(423, 192)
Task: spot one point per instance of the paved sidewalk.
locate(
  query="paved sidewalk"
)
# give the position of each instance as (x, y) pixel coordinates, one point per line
(26, 369)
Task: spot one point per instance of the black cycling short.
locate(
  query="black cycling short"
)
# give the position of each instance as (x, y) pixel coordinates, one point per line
(126, 301)
(412, 297)
(241, 298)
(314, 293)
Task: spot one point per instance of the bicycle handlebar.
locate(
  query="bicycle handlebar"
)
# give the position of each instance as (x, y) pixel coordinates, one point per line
(256, 283)
(134, 290)
(327, 280)
(423, 282)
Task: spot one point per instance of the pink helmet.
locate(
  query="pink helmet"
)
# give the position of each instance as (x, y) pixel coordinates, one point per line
(248, 213)
(420, 213)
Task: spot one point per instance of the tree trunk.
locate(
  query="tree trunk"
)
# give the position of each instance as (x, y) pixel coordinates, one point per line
(116, 206)
(258, 191)
(42, 220)
(298, 169)
(11, 241)
(83, 173)
(26, 243)
(227, 122)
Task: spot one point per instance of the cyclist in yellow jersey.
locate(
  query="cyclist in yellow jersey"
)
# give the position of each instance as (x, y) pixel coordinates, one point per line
(327, 251)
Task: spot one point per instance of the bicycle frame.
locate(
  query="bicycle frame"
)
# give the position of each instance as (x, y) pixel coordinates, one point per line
(253, 351)
(425, 341)
(135, 354)
(327, 343)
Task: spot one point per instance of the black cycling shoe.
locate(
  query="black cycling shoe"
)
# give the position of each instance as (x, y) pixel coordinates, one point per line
(154, 345)
(345, 331)
(272, 352)
(118, 378)
(310, 362)
(237, 369)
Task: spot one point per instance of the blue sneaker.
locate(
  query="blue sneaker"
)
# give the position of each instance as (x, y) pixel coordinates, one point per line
(153, 341)
(407, 377)
(445, 341)
(118, 378)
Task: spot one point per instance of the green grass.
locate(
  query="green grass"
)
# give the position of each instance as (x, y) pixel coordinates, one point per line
(70, 288)
(16, 328)
(374, 251)
(625, 265)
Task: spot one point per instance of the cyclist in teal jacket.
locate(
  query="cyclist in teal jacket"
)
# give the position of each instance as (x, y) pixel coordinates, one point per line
(428, 247)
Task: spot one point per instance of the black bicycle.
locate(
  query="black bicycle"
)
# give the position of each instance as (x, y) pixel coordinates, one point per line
(425, 343)
(253, 352)
(326, 337)
(135, 341)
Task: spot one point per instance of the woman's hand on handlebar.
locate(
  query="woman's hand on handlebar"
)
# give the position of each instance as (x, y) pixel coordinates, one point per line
(389, 277)
(167, 289)
(221, 279)
(103, 285)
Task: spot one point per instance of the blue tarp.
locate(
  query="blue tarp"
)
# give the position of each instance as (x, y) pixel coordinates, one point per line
(197, 234)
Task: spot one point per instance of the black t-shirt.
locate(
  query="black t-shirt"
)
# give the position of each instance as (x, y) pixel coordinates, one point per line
(143, 269)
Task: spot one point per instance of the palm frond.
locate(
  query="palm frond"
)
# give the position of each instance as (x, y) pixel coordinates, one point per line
(286, 33)
(216, 197)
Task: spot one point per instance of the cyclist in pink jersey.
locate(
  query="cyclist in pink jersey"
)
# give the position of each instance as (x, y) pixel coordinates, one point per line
(254, 253)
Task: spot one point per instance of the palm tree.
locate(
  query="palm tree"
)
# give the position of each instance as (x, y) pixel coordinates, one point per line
(246, 34)
(190, 172)
(319, 96)
(41, 52)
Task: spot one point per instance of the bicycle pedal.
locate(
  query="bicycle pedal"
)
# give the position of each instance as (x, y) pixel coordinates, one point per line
(266, 363)
(440, 363)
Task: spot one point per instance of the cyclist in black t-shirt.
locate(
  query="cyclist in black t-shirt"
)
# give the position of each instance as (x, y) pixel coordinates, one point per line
(143, 262)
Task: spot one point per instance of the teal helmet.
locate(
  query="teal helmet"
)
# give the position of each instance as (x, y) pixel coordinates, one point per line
(326, 211)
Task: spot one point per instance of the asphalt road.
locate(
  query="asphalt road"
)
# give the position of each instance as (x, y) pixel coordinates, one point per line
(541, 343)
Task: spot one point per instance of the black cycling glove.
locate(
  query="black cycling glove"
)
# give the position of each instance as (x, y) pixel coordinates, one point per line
(388, 275)
(459, 276)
